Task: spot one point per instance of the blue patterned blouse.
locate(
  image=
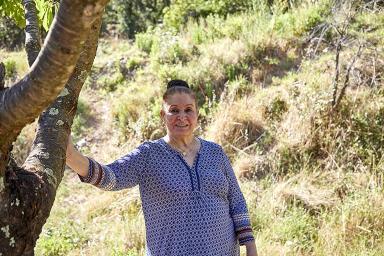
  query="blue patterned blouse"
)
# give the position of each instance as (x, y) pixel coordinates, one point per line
(191, 211)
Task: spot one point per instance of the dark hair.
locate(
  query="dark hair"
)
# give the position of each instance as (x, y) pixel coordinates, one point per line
(178, 86)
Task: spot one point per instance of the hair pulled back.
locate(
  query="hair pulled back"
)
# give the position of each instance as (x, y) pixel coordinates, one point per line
(178, 86)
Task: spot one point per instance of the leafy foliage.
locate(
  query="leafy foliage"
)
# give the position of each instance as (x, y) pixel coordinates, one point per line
(46, 11)
(182, 10)
(13, 9)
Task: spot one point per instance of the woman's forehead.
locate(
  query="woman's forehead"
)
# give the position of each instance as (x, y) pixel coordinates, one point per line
(180, 99)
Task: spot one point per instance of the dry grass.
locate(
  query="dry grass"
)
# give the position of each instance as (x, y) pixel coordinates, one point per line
(249, 166)
(304, 189)
(235, 125)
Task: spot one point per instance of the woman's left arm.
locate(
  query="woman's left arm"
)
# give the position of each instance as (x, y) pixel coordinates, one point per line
(238, 209)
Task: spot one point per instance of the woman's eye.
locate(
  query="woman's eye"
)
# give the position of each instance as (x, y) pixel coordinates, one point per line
(174, 111)
(188, 110)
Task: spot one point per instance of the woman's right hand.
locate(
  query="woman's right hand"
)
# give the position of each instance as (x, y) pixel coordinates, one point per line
(75, 160)
(70, 147)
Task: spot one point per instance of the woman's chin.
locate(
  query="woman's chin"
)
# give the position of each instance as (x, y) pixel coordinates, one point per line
(181, 132)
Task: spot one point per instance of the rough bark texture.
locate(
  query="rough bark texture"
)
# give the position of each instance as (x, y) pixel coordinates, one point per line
(32, 32)
(27, 194)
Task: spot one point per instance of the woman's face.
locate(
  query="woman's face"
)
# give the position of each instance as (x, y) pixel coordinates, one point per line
(180, 115)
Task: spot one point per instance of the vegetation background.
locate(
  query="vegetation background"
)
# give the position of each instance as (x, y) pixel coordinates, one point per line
(292, 89)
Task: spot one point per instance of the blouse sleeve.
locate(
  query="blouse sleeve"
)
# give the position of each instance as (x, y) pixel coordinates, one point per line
(237, 205)
(124, 172)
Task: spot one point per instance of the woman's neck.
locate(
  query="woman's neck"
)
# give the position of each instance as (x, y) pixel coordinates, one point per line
(184, 142)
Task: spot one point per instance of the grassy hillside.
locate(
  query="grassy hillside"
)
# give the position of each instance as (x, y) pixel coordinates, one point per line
(311, 162)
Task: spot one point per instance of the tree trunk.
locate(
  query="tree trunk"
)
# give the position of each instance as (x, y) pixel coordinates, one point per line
(27, 194)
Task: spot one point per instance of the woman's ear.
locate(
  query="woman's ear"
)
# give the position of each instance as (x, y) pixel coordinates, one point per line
(162, 113)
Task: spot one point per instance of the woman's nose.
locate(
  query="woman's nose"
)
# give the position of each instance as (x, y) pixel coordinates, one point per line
(182, 114)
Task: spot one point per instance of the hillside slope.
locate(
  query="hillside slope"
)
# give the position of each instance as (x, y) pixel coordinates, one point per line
(295, 96)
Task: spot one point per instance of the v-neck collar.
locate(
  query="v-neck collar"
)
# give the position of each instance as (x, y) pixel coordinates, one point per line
(190, 169)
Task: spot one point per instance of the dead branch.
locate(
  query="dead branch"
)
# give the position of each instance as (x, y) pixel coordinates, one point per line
(346, 79)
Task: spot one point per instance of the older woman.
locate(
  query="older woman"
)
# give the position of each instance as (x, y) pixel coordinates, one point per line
(191, 200)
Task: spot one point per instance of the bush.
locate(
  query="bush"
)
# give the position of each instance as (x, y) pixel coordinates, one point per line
(61, 240)
(297, 22)
(10, 69)
(168, 48)
(276, 109)
(136, 112)
(180, 11)
(126, 18)
(297, 228)
(144, 41)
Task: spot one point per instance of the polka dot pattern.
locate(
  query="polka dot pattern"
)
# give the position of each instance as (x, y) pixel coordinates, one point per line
(191, 211)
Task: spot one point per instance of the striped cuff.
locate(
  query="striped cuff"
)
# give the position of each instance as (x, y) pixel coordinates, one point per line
(95, 173)
(243, 228)
(244, 235)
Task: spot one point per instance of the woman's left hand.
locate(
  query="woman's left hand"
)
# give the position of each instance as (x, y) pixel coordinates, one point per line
(251, 248)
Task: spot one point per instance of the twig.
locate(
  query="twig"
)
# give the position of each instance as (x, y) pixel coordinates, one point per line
(346, 81)
(325, 29)
(337, 73)
(238, 149)
(373, 81)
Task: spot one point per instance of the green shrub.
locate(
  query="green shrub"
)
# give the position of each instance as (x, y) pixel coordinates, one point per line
(110, 82)
(297, 22)
(133, 63)
(169, 49)
(297, 228)
(61, 240)
(136, 112)
(180, 11)
(366, 134)
(10, 69)
(144, 41)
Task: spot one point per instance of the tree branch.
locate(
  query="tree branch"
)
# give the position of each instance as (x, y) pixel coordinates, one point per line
(23, 102)
(346, 80)
(47, 156)
(337, 73)
(32, 32)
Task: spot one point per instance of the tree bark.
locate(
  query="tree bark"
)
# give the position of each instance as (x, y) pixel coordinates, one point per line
(32, 32)
(27, 194)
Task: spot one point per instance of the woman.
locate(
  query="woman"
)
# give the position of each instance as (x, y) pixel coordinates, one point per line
(191, 200)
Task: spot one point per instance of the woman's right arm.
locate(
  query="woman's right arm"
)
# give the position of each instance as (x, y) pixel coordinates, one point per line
(124, 172)
(75, 160)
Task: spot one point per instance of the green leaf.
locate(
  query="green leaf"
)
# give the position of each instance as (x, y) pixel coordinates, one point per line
(13, 9)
